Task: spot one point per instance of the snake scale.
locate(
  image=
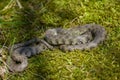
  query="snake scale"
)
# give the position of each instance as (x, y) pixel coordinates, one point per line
(80, 38)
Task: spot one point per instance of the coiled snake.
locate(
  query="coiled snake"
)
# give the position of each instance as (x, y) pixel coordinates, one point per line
(81, 37)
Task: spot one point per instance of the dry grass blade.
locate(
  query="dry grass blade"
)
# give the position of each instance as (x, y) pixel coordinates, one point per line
(8, 6)
(11, 4)
(19, 4)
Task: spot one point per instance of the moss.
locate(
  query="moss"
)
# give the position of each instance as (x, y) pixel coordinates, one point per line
(101, 63)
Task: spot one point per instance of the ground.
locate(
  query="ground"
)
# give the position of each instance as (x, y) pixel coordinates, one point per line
(101, 63)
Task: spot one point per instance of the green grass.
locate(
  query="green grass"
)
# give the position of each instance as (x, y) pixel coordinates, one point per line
(101, 63)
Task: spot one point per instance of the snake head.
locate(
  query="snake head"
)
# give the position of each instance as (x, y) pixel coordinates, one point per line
(17, 62)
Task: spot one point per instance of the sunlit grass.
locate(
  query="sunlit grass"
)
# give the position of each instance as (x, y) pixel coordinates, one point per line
(101, 63)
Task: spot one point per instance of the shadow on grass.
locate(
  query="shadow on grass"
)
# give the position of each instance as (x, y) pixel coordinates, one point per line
(25, 31)
(38, 68)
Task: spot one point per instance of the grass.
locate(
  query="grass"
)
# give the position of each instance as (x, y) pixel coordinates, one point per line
(101, 63)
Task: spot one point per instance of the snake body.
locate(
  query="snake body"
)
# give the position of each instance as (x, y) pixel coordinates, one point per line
(69, 36)
(21, 51)
(81, 37)
(17, 62)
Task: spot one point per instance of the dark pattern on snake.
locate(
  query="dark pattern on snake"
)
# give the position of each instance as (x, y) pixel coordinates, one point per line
(31, 47)
(81, 37)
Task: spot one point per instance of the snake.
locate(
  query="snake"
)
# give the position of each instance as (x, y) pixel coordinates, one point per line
(75, 38)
